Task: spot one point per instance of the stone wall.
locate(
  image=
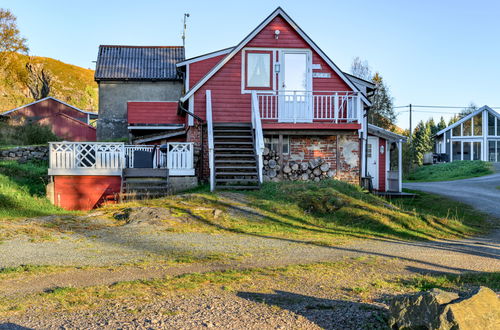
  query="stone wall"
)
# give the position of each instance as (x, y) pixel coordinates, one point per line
(316, 158)
(24, 154)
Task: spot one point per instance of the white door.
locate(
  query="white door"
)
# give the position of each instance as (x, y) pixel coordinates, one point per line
(372, 160)
(295, 104)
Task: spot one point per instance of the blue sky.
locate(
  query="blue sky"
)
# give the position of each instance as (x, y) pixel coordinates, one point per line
(429, 52)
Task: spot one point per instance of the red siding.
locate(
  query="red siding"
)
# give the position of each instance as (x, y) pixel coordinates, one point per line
(381, 164)
(68, 128)
(153, 113)
(84, 192)
(228, 104)
(198, 70)
(46, 108)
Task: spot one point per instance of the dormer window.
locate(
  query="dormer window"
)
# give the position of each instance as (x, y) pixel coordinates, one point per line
(258, 70)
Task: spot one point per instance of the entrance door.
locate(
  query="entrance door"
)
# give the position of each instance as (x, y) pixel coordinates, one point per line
(372, 160)
(295, 103)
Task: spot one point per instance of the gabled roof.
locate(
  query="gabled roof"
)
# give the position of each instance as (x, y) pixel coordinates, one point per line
(382, 132)
(278, 12)
(67, 118)
(49, 98)
(138, 62)
(469, 116)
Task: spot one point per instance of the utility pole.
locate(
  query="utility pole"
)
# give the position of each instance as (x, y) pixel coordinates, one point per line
(410, 125)
(184, 30)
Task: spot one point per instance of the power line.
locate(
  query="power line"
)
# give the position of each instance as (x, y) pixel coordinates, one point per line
(436, 106)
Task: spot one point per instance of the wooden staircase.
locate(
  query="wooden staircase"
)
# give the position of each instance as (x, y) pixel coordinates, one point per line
(144, 183)
(235, 158)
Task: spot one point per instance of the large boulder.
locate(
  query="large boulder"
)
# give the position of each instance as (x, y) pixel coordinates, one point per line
(438, 309)
(420, 310)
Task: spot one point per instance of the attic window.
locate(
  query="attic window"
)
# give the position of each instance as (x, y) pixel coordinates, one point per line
(258, 70)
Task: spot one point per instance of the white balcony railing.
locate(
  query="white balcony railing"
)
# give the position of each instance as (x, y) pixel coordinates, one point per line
(104, 158)
(306, 107)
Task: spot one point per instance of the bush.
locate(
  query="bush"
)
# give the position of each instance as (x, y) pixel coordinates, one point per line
(28, 134)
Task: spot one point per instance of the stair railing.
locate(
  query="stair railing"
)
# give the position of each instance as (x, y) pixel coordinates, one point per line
(211, 157)
(259, 134)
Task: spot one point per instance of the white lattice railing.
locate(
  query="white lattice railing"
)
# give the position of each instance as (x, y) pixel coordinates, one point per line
(105, 158)
(302, 106)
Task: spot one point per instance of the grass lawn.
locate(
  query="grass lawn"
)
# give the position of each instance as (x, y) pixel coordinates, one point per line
(324, 213)
(450, 171)
(22, 191)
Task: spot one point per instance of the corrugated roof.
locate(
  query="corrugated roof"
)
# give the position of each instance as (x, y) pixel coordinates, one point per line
(138, 62)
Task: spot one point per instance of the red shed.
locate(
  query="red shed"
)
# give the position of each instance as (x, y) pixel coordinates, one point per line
(66, 121)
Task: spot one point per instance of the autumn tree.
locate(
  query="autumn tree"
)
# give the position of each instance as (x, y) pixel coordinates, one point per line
(10, 38)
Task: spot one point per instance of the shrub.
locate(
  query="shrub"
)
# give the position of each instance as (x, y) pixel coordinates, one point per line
(28, 134)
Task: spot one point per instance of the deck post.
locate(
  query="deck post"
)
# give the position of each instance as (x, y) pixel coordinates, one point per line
(211, 156)
(400, 166)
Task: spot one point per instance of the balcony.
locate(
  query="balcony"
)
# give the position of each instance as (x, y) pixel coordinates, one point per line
(309, 107)
(99, 158)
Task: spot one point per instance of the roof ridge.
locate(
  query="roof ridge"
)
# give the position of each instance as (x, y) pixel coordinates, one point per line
(132, 46)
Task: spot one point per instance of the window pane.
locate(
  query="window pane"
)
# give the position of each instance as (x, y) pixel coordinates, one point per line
(478, 124)
(491, 124)
(467, 151)
(295, 72)
(456, 150)
(498, 127)
(286, 144)
(498, 151)
(457, 131)
(477, 150)
(259, 70)
(467, 128)
(491, 151)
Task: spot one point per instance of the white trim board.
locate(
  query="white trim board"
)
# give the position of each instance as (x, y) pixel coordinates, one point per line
(235, 50)
(205, 56)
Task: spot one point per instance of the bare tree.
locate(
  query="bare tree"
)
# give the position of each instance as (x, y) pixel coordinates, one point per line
(361, 69)
(39, 80)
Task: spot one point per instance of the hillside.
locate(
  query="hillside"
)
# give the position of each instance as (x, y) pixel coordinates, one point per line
(70, 83)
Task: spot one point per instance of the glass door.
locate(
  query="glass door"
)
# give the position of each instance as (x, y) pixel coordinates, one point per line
(295, 84)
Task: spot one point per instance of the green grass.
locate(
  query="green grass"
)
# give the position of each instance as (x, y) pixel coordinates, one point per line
(451, 281)
(22, 191)
(325, 213)
(450, 171)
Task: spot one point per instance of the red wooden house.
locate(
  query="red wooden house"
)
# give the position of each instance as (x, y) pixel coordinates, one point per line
(278, 89)
(66, 121)
(273, 107)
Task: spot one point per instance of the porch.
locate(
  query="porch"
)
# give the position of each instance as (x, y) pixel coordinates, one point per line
(111, 158)
(308, 107)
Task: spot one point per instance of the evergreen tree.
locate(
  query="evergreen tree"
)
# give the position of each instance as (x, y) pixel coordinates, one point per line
(381, 113)
(432, 126)
(421, 142)
(442, 124)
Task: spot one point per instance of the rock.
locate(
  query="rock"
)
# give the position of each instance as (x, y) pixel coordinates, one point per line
(147, 216)
(325, 167)
(420, 310)
(480, 311)
(438, 309)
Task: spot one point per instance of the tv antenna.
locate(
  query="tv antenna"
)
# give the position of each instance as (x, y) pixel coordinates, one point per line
(186, 15)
